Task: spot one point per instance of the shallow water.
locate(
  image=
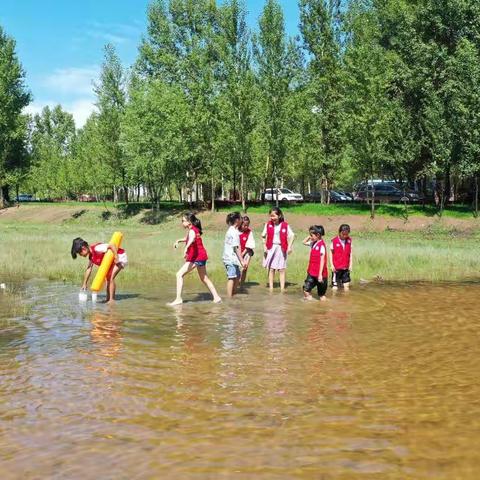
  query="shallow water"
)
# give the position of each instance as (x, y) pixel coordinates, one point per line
(380, 382)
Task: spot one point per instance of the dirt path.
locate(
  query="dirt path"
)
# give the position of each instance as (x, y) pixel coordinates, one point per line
(57, 214)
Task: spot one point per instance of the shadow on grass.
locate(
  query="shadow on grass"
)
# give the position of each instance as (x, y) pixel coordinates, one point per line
(79, 213)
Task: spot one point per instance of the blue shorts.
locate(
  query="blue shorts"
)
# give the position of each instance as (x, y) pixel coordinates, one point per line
(233, 271)
(200, 263)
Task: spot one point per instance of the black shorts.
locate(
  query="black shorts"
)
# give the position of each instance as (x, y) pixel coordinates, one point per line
(340, 277)
(312, 282)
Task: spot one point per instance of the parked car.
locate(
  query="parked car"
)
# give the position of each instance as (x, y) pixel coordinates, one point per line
(284, 195)
(25, 197)
(345, 194)
(386, 193)
(339, 197)
(84, 197)
(335, 197)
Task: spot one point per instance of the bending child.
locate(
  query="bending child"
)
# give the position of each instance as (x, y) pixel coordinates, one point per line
(95, 254)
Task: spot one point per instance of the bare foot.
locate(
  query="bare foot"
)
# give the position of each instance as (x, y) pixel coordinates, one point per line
(309, 298)
(323, 299)
(217, 300)
(177, 301)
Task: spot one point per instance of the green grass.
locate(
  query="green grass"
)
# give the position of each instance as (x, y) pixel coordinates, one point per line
(392, 210)
(43, 251)
(121, 211)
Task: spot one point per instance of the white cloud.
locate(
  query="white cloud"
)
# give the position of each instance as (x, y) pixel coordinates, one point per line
(81, 109)
(72, 81)
(116, 33)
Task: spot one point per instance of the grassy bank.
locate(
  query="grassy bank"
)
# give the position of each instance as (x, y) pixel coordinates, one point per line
(37, 248)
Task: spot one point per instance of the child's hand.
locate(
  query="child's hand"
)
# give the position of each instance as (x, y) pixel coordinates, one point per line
(175, 245)
(289, 251)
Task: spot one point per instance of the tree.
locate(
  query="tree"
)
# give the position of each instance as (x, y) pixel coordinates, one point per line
(238, 91)
(275, 57)
(320, 27)
(111, 101)
(154, 134)
(53, 173)
(14, 97)
(180, 50)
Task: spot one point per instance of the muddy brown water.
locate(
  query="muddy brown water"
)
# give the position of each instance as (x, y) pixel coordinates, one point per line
(379, 383)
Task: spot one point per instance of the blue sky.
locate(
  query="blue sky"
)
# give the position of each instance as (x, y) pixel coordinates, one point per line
(60, 43)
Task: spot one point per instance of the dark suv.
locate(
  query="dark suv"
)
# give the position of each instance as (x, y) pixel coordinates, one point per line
(386, 193)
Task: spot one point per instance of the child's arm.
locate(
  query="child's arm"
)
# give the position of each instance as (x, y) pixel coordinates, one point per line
(307, 242)
(180, 240)
(291, 239)
(86, 275)
(331, 257)
(236, 249)
(323, 259)
(113, 248)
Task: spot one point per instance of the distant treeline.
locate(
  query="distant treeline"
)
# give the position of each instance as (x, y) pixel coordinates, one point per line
(368, 89)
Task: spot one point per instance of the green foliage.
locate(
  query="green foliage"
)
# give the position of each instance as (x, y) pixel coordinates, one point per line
(52, 172)
(13, 98)
(368, 89)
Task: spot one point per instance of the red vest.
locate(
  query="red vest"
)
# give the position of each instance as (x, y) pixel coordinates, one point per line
(315, 258)
(97, 257)
(283, 235)
(196, 251)
(243, 238)
(341, 255)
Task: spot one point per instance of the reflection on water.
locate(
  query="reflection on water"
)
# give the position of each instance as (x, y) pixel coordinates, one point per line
(377, 383)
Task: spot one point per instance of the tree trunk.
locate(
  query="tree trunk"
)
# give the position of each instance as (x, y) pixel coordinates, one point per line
(242, 191)
(276, 192)
(476, 196)
(372, 205)
(213, 194)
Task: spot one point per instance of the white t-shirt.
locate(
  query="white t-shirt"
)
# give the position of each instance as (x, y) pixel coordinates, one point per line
(101, 248)
(322, 248)
(276, 233)
(232, 239)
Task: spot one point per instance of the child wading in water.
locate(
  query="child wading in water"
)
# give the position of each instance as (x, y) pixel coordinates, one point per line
(95, 254)
(317, 273)
(247, 245)
(278, 239)
(341, 258)
(232, 257)
(195, 257)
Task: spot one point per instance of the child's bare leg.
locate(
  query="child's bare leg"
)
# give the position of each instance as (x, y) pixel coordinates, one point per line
(230, 287)
(307, 295)
(202, 273)
(282, 279)
(271, 275)
(346, 286)
(187, 268)
(245, 268)
(111, 287)
(236, 282)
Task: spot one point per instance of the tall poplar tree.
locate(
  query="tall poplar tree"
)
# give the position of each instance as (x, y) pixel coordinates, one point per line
(14, 97)
(273, 54)
(111, 101)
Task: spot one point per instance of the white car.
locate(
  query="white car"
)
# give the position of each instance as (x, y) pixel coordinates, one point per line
(284, 195)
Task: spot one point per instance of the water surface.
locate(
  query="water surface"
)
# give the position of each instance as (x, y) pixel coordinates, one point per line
(380, 382)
